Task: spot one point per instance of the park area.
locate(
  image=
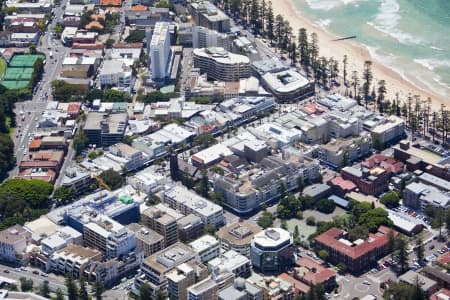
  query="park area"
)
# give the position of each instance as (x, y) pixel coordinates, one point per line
(19, 71)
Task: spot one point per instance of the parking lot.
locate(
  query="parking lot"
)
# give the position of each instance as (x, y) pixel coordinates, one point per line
(351, 287)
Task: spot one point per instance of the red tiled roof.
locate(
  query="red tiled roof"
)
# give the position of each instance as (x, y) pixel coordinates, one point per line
(112, 9)
(127, 45)
(442, 294)
(28, 174)
(329, 238)
(96, 45)
(73, 108)
(444, 258)
(385, 162)
(317, 273)
(111, 2)
(29, 164)
(139, 7)
(94, 24)
(298, 285)
(342, 183)
(35, 144)
(96, 17)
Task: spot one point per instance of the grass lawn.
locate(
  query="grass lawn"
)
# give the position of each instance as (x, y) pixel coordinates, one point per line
(303, 229)
(8, 123)
(2, 67)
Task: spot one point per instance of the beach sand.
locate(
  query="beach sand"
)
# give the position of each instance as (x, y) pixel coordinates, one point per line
(356, 55)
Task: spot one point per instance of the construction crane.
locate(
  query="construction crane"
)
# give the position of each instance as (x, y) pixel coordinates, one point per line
(102, 183)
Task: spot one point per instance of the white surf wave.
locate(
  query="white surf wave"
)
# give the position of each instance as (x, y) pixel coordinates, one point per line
(386, 21)
(331, 4)
(431, 63)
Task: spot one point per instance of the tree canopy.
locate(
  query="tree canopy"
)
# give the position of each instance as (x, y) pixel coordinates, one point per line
(326, 206)
(136, 36)
(112, 178)
(266, 220)
(23, 200)
(390, 199)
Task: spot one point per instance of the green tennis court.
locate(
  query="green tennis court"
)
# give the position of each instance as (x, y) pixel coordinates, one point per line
(24, 60)
(15, 84)
(15, 74)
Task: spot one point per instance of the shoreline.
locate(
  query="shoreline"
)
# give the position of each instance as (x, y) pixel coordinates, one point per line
(356, 54)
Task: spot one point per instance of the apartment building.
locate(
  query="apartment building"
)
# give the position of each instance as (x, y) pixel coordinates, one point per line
(204, 290)
(188, 202)
(73, 260)
(147, 240)
(160, 51)
(237, 236)
(205, 14)
(116, 73)
(109, 236)
(104, 129)
(207, 247)
(163, 220)
(220, 64)
(190, 227)
(13, 243)
(155, 268)
(182, 277)
(231, 261)
(203, 37)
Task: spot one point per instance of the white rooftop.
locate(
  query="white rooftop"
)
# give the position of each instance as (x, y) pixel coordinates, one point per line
(204, 243)
(272, 237)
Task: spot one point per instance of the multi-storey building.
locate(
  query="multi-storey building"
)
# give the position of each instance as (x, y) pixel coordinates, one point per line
(238, 236)
(182, 277)
(115, 73)
(109, 236)
(207, 15)
(231, 261)
(205, 38)
(419, 195)
(147, 240)
(129, 157)
(220, 64)
(388, 130)
(247, 193)
(372, 181)
(155, 268)
(187, 202)
(284, 83)
(73, 260)
(356, 255)
(270, 249)
(190, 227)
(204, 290)
(162, 220)
(160, 50)
(103, 129)
(13, 243)
(207, 247)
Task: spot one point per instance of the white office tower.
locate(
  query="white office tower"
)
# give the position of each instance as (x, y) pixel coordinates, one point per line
(160, 50)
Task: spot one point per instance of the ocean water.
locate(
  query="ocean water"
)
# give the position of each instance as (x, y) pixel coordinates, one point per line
(410, 36)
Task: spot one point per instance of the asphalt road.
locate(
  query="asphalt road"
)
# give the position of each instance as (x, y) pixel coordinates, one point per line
(55, 282)
(33, 109)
